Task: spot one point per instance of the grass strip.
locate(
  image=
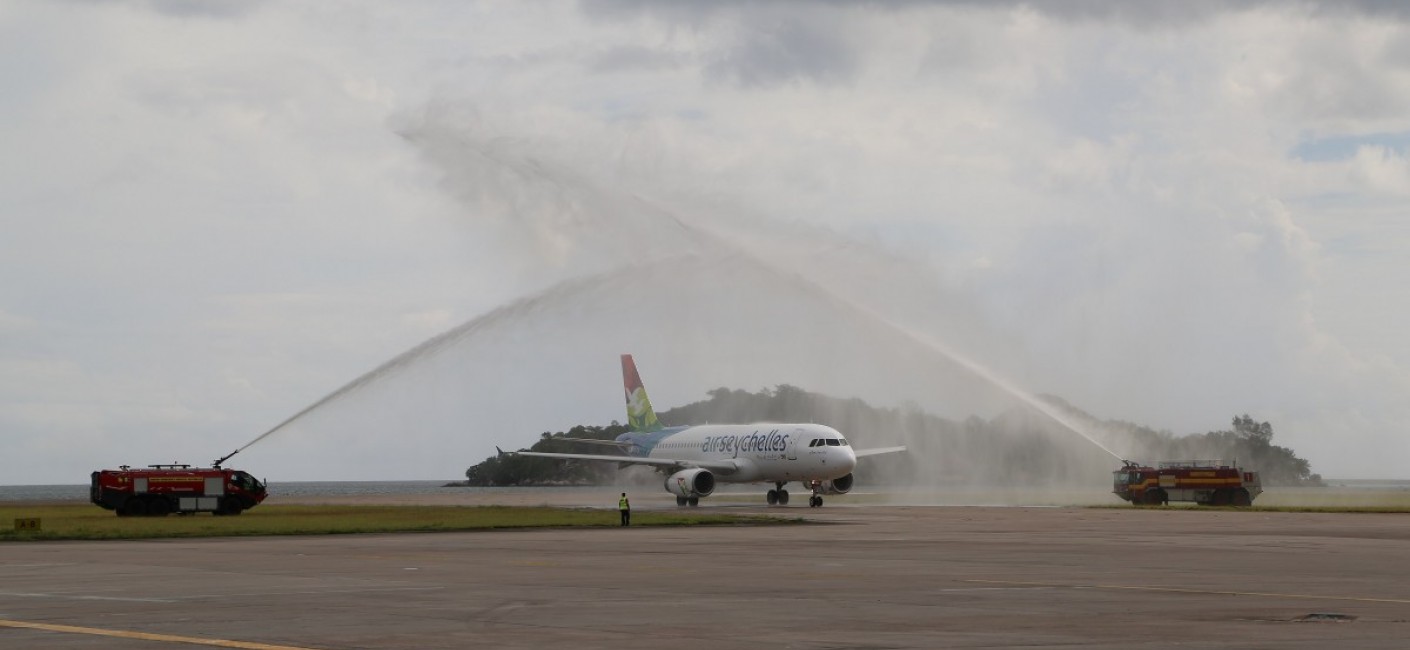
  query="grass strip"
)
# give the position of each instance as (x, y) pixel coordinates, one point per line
(88, 522)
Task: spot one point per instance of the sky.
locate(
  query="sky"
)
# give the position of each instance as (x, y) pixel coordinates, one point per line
(216, 214)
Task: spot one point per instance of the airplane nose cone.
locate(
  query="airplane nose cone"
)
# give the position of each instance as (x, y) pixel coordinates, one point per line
(845, 458)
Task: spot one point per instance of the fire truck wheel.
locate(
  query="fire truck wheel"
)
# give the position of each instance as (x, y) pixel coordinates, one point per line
(1242, 499)
(1156, 498)
(135, 507)
(158, 507)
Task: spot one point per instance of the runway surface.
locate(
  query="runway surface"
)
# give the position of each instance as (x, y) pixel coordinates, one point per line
(863, 577)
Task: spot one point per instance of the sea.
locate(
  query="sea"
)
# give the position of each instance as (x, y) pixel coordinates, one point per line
(291, 489)
(1337, 492)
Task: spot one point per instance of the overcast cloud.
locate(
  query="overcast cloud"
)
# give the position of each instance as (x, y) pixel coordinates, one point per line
(1167, 213)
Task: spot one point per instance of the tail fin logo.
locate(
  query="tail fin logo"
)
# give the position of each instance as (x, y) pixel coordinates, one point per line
(640, 415)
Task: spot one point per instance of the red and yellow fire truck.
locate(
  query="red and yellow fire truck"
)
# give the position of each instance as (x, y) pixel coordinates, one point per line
(1206, 482)
(162, 489)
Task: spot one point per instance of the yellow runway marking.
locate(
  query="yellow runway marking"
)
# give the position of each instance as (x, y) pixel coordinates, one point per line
(145, 636)
(1202, 592)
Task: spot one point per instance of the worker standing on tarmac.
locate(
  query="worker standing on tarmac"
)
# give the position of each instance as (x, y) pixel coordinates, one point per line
(626, 508)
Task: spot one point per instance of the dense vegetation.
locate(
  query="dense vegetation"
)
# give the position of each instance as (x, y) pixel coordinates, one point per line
(1019, 447)
(529, 470)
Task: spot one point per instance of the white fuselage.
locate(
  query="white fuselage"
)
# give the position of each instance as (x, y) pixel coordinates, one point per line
(759, 452)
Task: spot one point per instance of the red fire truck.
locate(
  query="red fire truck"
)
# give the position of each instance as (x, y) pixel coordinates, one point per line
(162, 489)
(1206, 482)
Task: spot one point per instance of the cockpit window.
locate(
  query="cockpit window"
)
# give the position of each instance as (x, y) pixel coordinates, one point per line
(833, 442)
(844, 441)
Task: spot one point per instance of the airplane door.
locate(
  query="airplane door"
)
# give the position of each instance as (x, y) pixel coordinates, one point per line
(791, 447)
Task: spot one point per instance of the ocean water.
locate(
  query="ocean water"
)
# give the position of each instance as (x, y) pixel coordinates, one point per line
(293, 489)
(1339, 492)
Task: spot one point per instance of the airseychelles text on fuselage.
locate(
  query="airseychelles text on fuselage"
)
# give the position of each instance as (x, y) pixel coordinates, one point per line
(734, 444)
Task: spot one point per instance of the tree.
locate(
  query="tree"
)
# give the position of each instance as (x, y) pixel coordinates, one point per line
(1015, 448)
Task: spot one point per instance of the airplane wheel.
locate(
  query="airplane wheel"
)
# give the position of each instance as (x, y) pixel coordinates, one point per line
(815, 502)
(783, 497)
(772, 497)
(694, 501)
(680, 501)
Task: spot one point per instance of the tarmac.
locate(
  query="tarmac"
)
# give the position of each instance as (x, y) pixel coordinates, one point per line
(861, 576)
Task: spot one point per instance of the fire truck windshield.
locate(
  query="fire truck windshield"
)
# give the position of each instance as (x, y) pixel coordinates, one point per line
(246, 481)
(1124, 477)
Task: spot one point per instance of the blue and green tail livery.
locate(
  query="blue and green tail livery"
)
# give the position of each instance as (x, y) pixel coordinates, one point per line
(640, 415)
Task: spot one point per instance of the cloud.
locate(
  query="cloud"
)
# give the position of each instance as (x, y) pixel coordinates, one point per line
(1381, 171)
(778, 48)
(1164, 213)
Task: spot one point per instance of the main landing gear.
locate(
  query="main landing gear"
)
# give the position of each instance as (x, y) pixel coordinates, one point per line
(692, 501)
(778, 496)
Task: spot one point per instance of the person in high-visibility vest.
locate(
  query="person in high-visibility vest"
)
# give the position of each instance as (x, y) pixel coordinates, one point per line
(626, 509)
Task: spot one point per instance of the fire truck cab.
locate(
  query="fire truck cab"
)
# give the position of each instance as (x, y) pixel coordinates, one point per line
(1206, 482)
(159, 490)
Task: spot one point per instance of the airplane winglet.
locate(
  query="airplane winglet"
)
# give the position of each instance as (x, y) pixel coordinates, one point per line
(498, 452)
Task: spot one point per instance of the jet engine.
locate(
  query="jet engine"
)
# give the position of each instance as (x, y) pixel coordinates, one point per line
(841, 485)
(691, 483)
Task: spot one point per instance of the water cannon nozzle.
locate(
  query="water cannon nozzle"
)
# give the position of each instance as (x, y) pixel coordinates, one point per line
(218, 461)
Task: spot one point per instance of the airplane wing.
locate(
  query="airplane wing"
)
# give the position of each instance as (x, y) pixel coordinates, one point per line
(595, 441)
(721, 467)
(862, 453)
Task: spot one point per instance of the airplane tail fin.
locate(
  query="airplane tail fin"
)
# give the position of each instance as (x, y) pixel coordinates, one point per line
(640, 415)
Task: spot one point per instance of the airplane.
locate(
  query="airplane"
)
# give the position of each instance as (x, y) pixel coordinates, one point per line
(699, 456)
